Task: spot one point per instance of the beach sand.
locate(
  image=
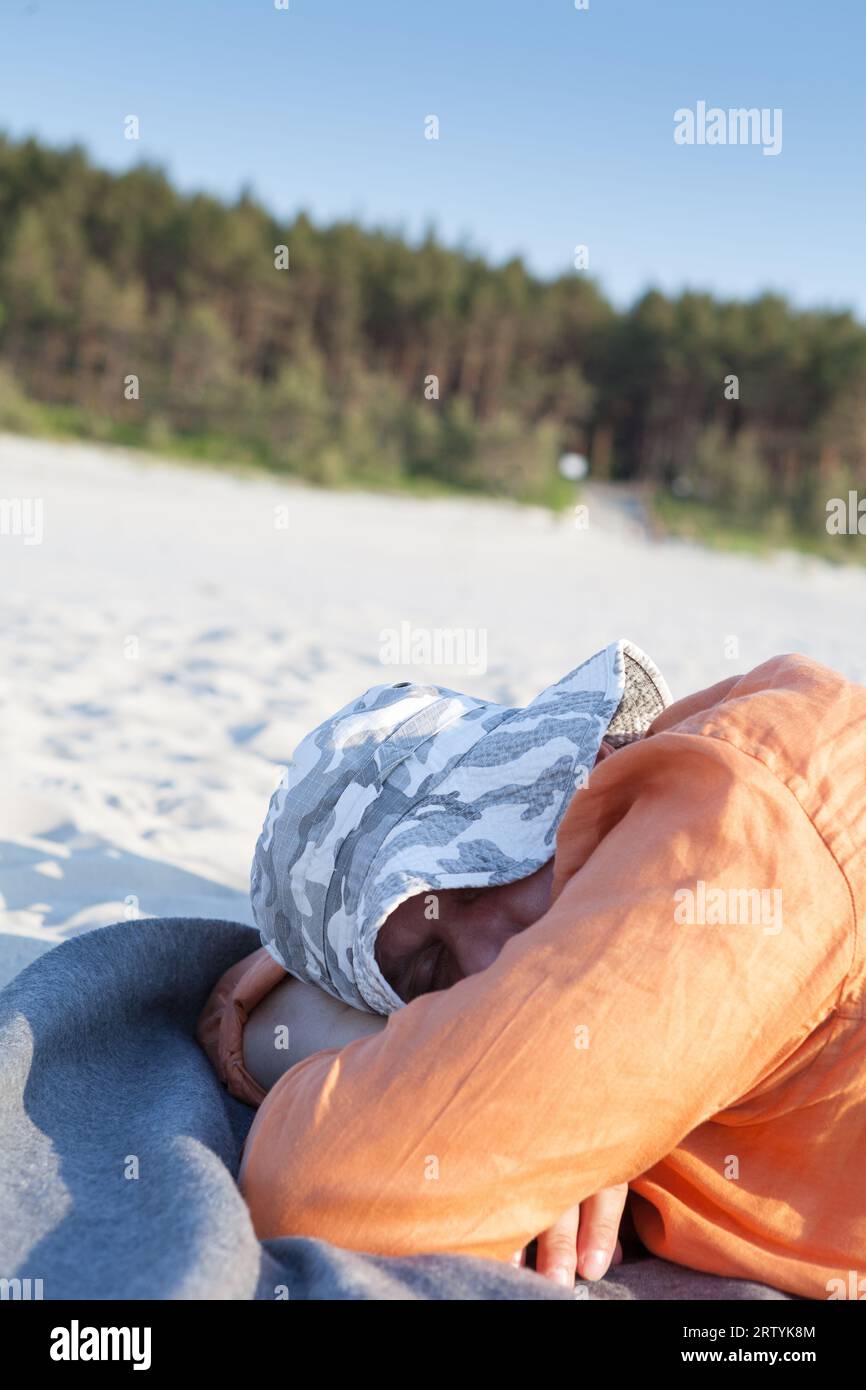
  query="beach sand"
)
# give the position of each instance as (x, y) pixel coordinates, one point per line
(178, 630)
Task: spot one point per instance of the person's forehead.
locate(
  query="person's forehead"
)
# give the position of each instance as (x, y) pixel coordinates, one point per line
(411, 925)
(411, 914)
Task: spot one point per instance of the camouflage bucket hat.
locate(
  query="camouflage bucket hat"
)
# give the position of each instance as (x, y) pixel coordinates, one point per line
(415, 788)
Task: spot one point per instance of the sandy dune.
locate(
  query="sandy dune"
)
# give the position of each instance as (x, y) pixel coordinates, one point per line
(178, 630)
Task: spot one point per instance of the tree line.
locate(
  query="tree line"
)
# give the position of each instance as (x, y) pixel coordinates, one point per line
(130, 311)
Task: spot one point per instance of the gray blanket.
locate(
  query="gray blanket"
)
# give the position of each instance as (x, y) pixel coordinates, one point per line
(119, 1148)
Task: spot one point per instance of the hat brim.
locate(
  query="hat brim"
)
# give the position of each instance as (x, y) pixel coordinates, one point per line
(515, 802)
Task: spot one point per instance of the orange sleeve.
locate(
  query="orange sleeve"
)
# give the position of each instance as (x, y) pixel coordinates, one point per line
(598, 1039)
(696, 703)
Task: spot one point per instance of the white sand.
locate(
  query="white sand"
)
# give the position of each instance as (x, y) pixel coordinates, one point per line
(137, 784)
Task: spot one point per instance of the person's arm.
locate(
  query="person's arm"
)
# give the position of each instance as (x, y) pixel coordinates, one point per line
(294, 1020)
(598, 1039)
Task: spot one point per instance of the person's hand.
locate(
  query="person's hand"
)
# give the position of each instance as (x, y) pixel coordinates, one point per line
(583, 1242)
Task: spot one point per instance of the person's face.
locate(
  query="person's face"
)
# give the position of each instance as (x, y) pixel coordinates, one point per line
(417, 951)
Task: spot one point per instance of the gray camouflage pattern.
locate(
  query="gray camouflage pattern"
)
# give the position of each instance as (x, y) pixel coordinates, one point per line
(416, 788)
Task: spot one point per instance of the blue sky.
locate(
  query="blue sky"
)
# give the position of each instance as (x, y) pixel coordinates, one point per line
(556, 125)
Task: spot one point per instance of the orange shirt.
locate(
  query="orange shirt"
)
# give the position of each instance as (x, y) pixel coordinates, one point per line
(687, 1016)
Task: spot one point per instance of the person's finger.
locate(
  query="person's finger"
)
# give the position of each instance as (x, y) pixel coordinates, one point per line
(600, 1216)
(556, 1256)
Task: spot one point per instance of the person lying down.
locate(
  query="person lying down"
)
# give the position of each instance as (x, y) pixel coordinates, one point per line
(529, 971)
